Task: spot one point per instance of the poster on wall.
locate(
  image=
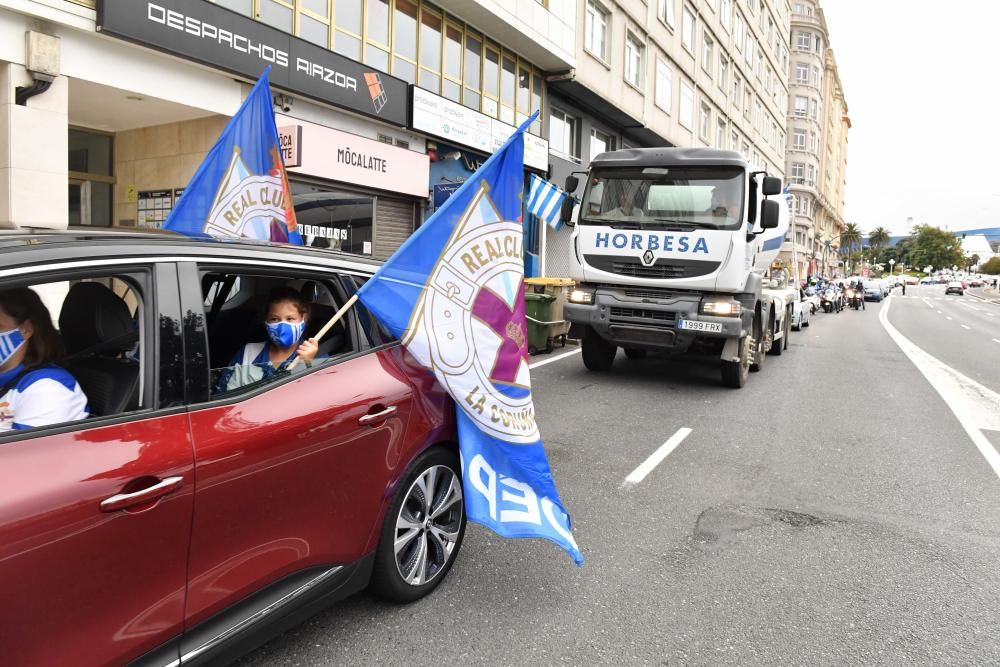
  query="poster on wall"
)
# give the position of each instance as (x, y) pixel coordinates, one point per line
(154, 206)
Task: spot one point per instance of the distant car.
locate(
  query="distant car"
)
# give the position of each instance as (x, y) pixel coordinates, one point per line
(955, 287)
(976, 282)
(928, 281)
(911, 280)
(873, 290)
(801, 309)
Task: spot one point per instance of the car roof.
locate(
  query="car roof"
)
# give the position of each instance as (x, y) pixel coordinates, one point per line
(29, 246)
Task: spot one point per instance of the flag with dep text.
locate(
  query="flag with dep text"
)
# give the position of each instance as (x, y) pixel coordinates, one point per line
(241, 189)
(545, 201)
(454, 294)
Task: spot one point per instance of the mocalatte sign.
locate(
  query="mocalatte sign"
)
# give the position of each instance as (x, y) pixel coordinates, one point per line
(209, 34)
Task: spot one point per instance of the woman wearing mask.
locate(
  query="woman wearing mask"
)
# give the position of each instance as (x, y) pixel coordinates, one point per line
(33, 390)
(285, 316)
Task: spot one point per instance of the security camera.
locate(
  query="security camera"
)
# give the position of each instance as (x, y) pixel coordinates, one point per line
(283, 102)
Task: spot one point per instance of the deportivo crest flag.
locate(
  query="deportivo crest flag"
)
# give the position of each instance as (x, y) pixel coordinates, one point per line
(545, 201)
(240, 189)
(454, 294)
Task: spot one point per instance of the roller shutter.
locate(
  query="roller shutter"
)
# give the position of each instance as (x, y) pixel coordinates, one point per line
(393, 225)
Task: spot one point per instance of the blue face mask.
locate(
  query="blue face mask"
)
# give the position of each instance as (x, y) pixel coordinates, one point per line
(285, 334)
(10, 342)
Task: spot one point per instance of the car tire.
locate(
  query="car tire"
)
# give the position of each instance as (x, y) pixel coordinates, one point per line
(417, 566)
(735, 373)
(598, 354)
(635, 353)
(764, 341)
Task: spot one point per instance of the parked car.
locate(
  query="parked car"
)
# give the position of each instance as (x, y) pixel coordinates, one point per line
(872, 290)
(928, 281)
(976, 282)
(801, 310)
(912, 280)
(186, 520)
(955, 287)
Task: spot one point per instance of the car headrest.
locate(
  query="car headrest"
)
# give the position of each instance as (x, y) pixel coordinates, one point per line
(93, 317)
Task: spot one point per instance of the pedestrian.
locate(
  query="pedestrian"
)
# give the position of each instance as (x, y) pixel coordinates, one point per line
(904, 287)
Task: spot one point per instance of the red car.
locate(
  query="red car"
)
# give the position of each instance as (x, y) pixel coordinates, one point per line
(182, 521)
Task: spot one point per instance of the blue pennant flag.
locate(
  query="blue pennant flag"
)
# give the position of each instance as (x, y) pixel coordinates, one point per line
(545, 200)
(241, 189)
(454, 294)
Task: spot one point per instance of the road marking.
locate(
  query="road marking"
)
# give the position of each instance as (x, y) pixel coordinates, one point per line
(927, 301)
(966, 326)
(976, 407)
(940, 313)
(947, 317)
(552, 359)
(656, 458)
(995, 340)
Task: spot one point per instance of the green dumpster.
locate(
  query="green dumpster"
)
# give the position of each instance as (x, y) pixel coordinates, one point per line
(538, 308)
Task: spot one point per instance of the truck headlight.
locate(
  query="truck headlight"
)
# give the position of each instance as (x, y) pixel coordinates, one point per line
(581, 296)
(723, 308)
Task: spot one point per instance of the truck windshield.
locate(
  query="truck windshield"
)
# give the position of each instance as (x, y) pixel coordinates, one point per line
(661, 198)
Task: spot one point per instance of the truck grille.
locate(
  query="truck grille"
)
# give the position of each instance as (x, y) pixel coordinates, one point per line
(661, 269)
(643, 313)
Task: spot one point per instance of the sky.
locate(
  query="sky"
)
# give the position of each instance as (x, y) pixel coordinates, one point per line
(923, 95)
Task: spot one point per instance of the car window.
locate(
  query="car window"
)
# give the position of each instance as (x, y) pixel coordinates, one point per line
(84, 355)
(373, 330)
(255, 332)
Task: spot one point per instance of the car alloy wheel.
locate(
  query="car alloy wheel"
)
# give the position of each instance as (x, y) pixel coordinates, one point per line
(428, 525)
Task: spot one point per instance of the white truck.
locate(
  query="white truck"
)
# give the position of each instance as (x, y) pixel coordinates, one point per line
(668, 253)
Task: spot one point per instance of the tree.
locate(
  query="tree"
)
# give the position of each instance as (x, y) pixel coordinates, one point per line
(878, 238)
(935, 247)
(971, 261)
(992, 267)
(851, 237)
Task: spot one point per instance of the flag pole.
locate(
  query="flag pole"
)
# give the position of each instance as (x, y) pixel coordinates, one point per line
(326, 327)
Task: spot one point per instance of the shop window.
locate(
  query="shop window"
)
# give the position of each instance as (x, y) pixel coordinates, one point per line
(243, 356)
(91, 178)
(332, 218)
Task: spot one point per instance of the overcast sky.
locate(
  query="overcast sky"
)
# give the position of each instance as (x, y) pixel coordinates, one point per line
(921, 84)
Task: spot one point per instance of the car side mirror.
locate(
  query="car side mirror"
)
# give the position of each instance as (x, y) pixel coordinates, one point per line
(771, 186)
(572, 183)
(769, 214)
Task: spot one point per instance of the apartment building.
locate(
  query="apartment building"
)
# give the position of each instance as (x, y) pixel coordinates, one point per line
(109, 106)
(670, 73)
(818, 123)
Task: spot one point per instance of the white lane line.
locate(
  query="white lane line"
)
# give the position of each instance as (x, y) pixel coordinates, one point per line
(947, 317)
(995, 340)
(966, 326)
(976, 407)
(927, 301)
(551, 359)
(940, 313)
(656, 458)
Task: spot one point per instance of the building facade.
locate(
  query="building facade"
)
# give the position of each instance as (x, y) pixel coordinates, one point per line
(818, 123)
(670, 73)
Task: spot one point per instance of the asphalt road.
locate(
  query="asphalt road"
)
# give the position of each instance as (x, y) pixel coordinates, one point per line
(834, 511)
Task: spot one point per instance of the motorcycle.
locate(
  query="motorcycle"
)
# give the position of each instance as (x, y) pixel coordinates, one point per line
(830, 301)
(854, 299)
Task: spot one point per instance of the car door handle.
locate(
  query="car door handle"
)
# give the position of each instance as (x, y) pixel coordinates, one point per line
(122, 501)
(376, 417)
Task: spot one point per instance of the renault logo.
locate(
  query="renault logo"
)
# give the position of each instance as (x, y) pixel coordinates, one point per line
(648, 258)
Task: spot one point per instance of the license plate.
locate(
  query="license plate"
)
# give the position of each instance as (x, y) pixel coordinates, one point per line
(689, 325)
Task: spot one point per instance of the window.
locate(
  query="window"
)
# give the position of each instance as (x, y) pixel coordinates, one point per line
(813, 142)
(748, 48)
(707, 54)
(705, 122)
(810, 174)
(799, 139)
(723, 72)
(664, 85)
(93, 335)
(600, 143)
(241, 347)
(595, 32)
(803, 40)
(813, 109)
(737, 85)
(665, 10)
(801, 72)
(720, 134)
(687, 105)
(801, 106)
(633, 60)
(91, 178)
(738, 32)
(735, 145)
(814, 76)
(747, 101)
(687, 30)
(818, 45)
(335, 219)
(564, 134)
(798, 173)
(726, 14)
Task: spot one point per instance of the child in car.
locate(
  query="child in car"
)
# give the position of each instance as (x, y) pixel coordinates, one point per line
(285, 316)
(33, 390)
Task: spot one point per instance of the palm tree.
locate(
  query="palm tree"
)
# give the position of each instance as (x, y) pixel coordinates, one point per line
(851, 236)
(878, 238)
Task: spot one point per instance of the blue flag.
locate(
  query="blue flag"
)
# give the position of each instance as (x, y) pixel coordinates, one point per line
(545, 201)
(454, 294)
(241, 189)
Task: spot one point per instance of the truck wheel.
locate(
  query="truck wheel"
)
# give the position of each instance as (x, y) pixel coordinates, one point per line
(634, 353)
(764, 340)
(788, 328)
(735, 373)
(598, 354)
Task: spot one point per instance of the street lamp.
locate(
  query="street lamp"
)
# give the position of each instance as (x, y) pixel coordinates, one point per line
(892, 268)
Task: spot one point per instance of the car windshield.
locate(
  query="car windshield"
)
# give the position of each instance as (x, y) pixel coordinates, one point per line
(871, 284)
(662, 198)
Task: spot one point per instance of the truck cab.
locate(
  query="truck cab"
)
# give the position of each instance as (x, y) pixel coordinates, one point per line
(665, 253)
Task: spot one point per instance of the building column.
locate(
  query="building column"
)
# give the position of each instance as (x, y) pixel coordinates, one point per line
(34, 153)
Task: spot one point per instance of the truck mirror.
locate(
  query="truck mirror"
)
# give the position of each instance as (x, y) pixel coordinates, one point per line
(769, 214)
(566, 212)
(771, 186)
(572, 182)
